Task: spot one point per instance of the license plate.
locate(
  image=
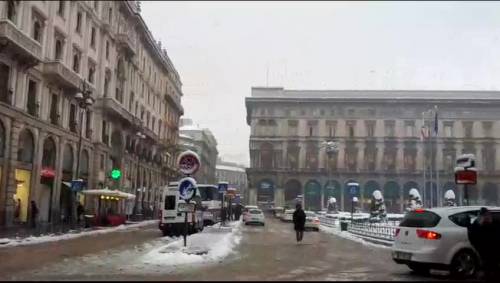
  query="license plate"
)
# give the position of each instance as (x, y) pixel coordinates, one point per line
(402, 255)
(255, 219)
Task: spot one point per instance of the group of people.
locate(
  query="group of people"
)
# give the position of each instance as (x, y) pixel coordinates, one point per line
(232, 213)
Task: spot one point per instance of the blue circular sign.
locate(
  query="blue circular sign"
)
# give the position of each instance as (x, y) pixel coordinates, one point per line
(187, 188)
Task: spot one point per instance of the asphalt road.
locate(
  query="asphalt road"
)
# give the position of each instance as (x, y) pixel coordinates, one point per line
(264, 253)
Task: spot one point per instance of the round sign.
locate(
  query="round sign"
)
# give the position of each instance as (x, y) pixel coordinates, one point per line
(187, 188)
(188, 162)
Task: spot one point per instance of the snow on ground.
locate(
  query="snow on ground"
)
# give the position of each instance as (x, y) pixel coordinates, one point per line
(349, 236)
(214, 246)
(6, 242)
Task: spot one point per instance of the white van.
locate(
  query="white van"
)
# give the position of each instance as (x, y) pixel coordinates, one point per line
(171, 221)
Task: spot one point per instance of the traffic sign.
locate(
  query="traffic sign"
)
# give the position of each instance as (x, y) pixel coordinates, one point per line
(187, 188)
(188, 162)
(223, 186)
(353, 188)
(116, 174)
(77, 185)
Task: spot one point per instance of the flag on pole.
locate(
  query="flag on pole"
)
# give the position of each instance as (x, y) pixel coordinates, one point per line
(424, 133)
(436, 123)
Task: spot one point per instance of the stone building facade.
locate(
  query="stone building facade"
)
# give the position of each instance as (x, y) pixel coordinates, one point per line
(47, 50)
(203, 142)
(379, 145)
(235, 175)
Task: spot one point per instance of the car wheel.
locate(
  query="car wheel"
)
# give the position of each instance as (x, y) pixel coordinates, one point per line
(419, 268)
(464, 264)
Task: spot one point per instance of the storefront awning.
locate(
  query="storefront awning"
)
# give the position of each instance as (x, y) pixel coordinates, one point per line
(110, 193)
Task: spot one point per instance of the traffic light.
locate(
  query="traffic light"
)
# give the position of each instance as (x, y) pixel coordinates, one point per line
(116, 174)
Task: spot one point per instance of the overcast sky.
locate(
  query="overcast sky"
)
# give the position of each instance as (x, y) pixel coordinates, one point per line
(222, 49)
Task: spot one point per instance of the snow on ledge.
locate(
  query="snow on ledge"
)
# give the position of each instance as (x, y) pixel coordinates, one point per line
(32, 240)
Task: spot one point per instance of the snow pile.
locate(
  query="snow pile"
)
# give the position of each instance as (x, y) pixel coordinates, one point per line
(5, 242)
(211, 246)
(449, 194)
(378, 195)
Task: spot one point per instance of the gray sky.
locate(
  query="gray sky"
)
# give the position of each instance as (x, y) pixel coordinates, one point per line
(222, 49)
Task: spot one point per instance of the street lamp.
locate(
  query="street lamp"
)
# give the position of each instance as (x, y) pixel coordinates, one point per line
(85, 101)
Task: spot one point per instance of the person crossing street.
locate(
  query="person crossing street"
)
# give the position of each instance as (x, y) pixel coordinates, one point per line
(299, 221)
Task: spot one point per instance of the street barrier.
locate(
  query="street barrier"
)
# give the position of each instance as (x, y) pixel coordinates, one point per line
(381, 231)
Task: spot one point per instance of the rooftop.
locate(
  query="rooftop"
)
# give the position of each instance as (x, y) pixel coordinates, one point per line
(280, 92)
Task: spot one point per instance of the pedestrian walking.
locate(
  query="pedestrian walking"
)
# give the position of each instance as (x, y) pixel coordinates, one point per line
(34, 214)
(483, 235)
(299, 221)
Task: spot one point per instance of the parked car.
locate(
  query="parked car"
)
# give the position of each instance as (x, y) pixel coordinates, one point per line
(437, 238)
(278, 211)
(312, 221)
(245, 210)
(255, 216)
(287, 215)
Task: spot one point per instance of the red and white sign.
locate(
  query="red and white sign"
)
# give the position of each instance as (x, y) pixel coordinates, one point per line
(47, 172)
(188, 162)
(466, 177)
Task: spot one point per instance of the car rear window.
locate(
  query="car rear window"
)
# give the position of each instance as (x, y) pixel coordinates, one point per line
(255, 212)
(420, 219)
(169, 202)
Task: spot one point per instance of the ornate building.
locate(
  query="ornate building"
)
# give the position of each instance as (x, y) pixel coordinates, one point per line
(378, 133)
(47, 50)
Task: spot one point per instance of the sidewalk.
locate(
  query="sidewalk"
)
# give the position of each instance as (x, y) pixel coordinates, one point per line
(44, 230)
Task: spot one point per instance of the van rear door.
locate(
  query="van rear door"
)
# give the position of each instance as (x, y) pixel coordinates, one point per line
(170, 205)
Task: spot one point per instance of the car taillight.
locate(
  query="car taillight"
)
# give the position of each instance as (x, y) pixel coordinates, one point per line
(429, 235)
(419, 210)
(397, 232)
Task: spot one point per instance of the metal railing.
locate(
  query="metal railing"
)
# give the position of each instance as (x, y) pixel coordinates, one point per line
(381, 231)
(328, 221)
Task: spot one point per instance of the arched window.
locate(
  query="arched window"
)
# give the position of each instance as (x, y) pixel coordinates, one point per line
(26, 147)
(293, 188)
(68, 159)
(84, 164)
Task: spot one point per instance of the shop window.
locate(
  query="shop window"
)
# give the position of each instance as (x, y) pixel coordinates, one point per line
(31, 102)
(21, 197)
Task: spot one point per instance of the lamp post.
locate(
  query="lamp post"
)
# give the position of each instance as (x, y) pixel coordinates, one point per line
(140, 137)
(85, 101)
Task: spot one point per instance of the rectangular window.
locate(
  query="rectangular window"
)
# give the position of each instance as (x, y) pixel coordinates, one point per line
(76, 60)
(37, 30)
(101, 162)
(104, 133)
(410, 128)
(91, 73)
(110, 15)
(448, 129)
(60, 8)
(72, 118)
(467, 129)
(487, 129)
(107, 50)
(5, 95)
(370, 128)
(292, 127)
(32, 104)
(54, 111)
(350, 128)
(88, 125)
(389, 128)
(92, 37)
(78, 27)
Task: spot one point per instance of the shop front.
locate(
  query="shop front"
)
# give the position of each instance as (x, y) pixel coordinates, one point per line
(107, 207)
(21, 197)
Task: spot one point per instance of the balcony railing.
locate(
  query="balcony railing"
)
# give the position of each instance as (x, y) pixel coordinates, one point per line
(59, 74)
(19, 44)
(110, 105)
(126, 41)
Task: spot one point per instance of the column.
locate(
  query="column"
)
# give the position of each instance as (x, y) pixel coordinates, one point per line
(284, 153)
(12, 143)
(399, 156)
(322, 157)
(420, 156)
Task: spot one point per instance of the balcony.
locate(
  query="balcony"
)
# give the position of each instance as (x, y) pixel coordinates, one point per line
(57, 73)
(126, 42)
(18, 44)
(113, 107)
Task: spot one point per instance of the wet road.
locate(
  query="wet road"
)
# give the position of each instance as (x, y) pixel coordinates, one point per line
(265, 253)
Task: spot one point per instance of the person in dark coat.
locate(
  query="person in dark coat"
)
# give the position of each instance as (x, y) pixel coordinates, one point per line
(34, 214)
(79, 212)
(483, 235)
(299, 221)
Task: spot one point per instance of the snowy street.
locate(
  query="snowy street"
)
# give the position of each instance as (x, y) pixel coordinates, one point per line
(241, 253)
